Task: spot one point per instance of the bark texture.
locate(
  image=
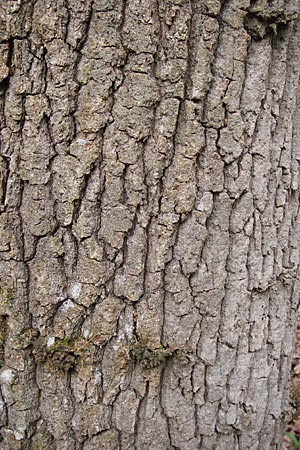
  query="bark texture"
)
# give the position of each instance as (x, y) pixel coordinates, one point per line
(149, 222)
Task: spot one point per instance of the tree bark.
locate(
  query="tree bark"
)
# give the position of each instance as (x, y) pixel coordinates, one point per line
(149, 222)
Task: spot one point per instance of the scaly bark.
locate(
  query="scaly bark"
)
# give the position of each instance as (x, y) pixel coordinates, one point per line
(149, 222)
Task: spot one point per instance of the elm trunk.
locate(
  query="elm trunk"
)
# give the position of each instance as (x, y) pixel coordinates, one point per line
(149, 222)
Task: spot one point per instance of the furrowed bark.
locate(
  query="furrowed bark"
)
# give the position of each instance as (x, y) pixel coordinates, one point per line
(149, 222)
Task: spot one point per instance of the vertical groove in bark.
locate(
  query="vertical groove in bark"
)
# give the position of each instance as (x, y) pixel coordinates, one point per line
(149, 222)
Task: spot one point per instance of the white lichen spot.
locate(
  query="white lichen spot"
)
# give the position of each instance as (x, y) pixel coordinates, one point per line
(98, 376)
(50, 341)
(121, 337)
(86, 328)
(19, 435)
(85, 333)
(162, 128)
(128, 330)
(67, 305)
(75, 289)
(7, 376)
(205, 204)
(81, 141)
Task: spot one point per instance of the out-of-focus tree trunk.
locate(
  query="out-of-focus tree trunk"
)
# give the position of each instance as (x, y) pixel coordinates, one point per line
(149, 222)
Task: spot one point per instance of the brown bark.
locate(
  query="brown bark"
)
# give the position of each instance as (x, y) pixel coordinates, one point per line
(149, 222)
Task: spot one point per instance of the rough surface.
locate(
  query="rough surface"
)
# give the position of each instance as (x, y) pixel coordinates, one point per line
(149, 222)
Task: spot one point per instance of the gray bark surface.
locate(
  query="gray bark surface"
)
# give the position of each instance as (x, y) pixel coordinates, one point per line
(149, 222)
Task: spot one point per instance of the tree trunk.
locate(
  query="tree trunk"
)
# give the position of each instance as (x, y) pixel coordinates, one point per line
(149, 222)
